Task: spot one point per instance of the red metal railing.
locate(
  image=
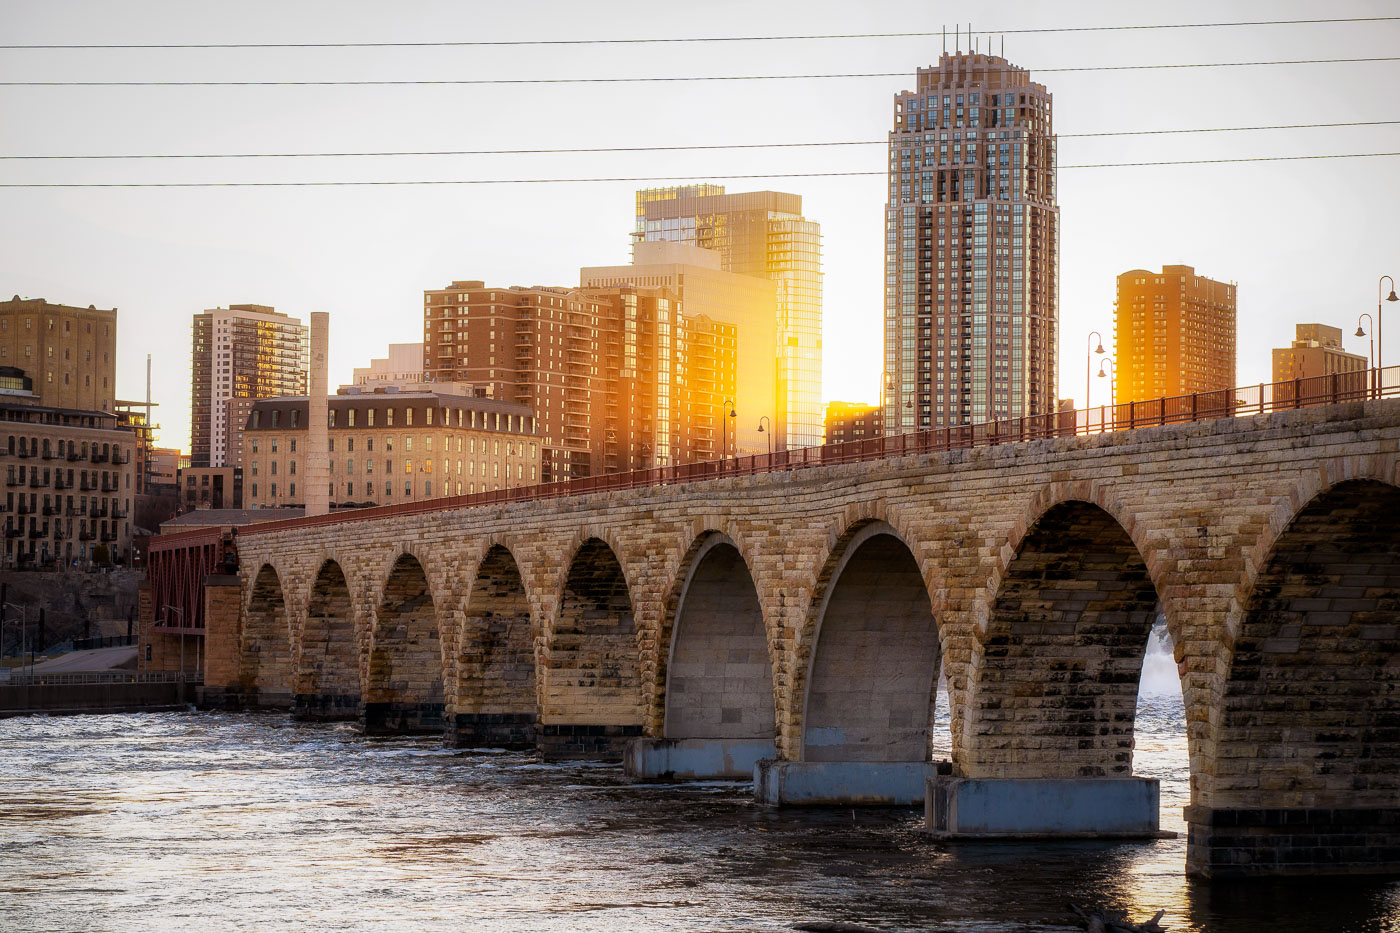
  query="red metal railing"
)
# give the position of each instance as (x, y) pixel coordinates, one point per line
(1202, 406)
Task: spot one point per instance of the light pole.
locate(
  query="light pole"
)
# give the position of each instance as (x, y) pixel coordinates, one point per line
(769, 432)
(167, 610)
(1112, 380)
(1380, 326)
(727, 415)
(23, 631)
(1370, 357)
(1089, 352)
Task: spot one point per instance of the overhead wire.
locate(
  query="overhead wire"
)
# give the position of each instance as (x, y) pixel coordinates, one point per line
(668, 79)
(681, 148)
(640, 178)
(657, 40)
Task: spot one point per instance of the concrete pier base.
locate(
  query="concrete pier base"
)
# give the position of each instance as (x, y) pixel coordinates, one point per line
(491, 730)
(841, 783)
(1253, 842)
(403, 719)
(323, 707)
(236, 698)
(694, 759)
(560, 742)
(1086, 808)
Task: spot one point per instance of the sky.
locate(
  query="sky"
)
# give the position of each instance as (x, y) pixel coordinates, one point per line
(1306, 241)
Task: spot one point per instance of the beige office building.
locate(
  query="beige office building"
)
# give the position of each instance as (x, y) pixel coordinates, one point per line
(1173, 333)
(1316, 351)
(706, 296)
(69, 354)
(388, 448)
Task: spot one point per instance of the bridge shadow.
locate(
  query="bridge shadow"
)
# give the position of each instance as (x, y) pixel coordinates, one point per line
(405, 692)
(495, 702)
(328, 673)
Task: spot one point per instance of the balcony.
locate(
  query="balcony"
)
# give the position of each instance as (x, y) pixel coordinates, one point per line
(51, 455)
(14, 532)
(35, 482)
(51, 510)
(99, 457)
(36, 533)
(14, 481)
(85, 535)
(23, 453)
(99, 511)
(109, 536)
(74, 511)
(87, 486)
(74, 456)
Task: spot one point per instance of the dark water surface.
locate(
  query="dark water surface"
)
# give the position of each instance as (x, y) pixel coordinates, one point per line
(199, 821)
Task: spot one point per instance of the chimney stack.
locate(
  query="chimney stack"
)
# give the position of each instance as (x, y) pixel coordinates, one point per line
(317, 458)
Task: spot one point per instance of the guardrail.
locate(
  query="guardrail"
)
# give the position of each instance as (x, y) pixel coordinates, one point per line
(103, 641)
(1202, 406)
(26, 679)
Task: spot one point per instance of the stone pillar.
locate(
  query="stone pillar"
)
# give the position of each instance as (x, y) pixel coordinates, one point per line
(1241, 842)
(316, 459)
(222, 599)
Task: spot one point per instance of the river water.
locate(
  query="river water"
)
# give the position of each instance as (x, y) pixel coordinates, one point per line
(211, 821)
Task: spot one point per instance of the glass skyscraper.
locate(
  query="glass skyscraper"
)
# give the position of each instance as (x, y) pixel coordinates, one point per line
(971, 247)
(761, 234)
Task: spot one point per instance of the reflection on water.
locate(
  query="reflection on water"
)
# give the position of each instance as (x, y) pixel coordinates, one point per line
(207, 821)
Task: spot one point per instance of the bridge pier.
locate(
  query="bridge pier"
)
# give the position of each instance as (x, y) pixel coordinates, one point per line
(694, 759)
(1238, 842)
(324, 707)
(1042, 808)
(402, 719)
(841, 783)
(492, 730)
(581, 742)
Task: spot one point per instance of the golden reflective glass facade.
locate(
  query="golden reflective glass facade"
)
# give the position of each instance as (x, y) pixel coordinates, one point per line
(971, 247)
(242, 352)
(761, 234)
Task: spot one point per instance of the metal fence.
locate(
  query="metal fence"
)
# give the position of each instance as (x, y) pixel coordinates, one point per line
(32, 679)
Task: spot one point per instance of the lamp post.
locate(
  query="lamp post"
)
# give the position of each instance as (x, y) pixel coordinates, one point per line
(1089, 352)
(728, 414)
(1112, 379)
(769, 432)
(1370, 357)
(167, 609)
(1380, 326)
(23, 630)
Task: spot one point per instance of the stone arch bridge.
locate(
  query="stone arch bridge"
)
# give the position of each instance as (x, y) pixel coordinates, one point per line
(805, 616)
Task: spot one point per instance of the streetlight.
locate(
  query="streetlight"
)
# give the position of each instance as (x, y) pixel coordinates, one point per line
(1089, 362)
(1112, 378)
(167, 609)
(23, 631)
(1380, 327)
(724, 426)
(769, 432)
(1370, 357)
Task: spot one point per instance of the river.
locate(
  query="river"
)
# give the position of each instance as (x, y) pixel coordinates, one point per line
(213, 821)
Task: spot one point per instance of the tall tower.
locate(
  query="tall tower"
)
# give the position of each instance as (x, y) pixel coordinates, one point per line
(761, 234)
(971, 247)
(1173, 334)
(241, 353)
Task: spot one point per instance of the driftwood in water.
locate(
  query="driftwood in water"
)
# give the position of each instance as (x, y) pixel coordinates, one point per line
(1100, 922)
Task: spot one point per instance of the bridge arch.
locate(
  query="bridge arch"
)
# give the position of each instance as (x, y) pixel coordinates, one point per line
(496, 700)
(1310, 711)
(717, 679)
(404, 688)
(265, 645)
(590, 681)
(868, 687)
(1057, 661)
(328, 662)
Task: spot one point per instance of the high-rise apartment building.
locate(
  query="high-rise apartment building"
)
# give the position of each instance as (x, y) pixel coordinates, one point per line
(1316, 351)
(742, 304)
(971, 247)
(618, 378)
(240, 354)
(1173, 334)
(761, 234)
(69, 354)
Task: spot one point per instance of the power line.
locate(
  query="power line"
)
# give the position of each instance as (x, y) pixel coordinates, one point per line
(693, 148)
(632, 178)
(655, 79)
(682, 39)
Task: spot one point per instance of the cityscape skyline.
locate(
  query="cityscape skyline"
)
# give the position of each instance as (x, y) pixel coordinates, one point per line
(156, 255)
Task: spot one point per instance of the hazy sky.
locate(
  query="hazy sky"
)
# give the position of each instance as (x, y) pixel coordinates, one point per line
(1306, 241)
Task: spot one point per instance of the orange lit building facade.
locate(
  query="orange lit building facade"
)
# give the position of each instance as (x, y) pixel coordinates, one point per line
(1174, 334)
